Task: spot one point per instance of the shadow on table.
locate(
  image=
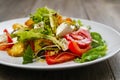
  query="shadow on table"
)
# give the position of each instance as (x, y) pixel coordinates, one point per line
(97, 71)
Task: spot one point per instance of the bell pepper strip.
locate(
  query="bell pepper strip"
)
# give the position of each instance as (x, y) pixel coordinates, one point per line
(4, 46)
(59, 58)
(8, 44)
(9, 39)
(75, 49)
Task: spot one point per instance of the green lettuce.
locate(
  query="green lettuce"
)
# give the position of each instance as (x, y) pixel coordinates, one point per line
(42, 14)
(47, 16)
(94, 53)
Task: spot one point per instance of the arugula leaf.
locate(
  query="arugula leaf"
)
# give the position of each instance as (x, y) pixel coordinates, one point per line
(97, 39)
(28, 55)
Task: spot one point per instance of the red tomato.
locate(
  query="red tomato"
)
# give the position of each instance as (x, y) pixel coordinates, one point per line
(59, 58)
(9, 39)
(81, 37)
(73, 47)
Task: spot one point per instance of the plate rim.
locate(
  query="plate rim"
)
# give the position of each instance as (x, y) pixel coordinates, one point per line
(64, 66)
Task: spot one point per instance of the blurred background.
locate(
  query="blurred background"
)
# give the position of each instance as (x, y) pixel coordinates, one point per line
(105, 11)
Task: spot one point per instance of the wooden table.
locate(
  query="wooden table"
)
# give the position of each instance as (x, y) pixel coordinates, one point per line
(103, 11)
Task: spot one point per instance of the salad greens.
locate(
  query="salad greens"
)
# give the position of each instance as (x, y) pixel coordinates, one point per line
(42, 14)
(47, 16)
(56, 38)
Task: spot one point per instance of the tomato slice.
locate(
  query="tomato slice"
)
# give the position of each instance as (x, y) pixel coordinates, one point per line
(74, 48)
(59, 58)
(79, 41)
(82, 37)
(9, 39)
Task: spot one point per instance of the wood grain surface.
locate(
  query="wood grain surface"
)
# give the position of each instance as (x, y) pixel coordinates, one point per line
(103, 11)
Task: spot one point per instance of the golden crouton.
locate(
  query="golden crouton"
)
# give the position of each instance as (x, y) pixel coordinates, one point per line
(16, 50)
(29, 23)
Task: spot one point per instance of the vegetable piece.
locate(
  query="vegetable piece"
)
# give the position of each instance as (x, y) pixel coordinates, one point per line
(4, 45)
(75, 49)
(9, 39)
(42, 14)
(97, 39)
(93, 54)
(16, 50)
(48, 17)
(58, 58)
(82, 37)
(27, 35)
(9, 43)
(28, 55)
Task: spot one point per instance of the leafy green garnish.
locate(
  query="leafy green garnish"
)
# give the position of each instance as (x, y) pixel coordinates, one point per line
(80, 23)
(96, 39)
(28, 55)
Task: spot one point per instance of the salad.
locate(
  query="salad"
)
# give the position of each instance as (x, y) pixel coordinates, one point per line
(54, 38)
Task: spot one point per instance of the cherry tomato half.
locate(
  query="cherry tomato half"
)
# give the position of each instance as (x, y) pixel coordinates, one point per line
(74, 48)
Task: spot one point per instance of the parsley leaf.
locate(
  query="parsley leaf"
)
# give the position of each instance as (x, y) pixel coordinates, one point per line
(28, 55)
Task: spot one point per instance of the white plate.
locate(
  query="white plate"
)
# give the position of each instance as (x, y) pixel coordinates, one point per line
(111, 36)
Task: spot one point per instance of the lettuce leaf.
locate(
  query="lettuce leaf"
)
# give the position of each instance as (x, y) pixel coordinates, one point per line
(42, 14)
(94, 53)
(47, 16)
